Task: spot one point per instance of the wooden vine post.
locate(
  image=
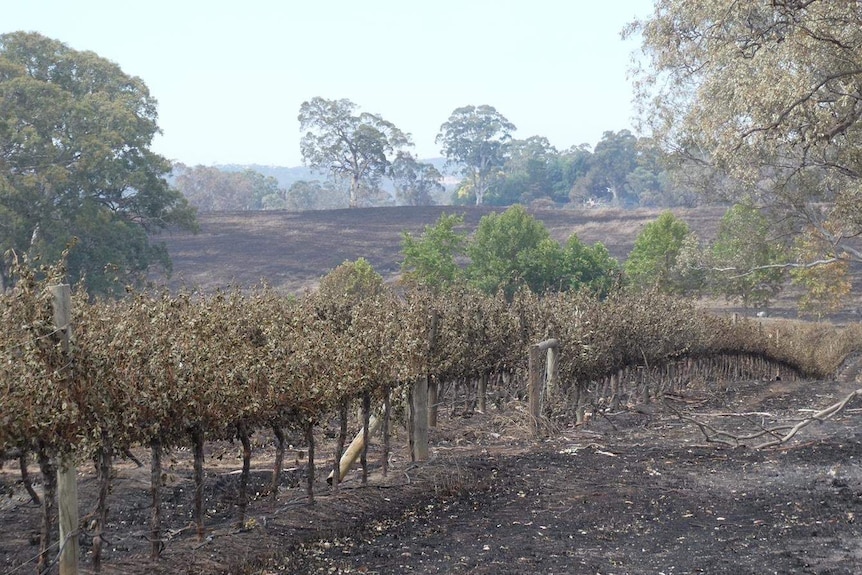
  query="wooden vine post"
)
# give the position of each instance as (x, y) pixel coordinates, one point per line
(535, 384)
(67, 483)
(419, 408)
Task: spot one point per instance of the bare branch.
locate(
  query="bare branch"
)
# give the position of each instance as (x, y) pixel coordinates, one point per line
(789, 265)
(820, 416)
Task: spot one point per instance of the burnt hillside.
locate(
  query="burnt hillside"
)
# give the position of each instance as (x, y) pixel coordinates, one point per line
(292, 251)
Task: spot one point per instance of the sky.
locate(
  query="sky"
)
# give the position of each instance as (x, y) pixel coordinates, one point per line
(229, 77)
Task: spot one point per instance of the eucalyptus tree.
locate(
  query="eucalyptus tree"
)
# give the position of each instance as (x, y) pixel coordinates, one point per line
(415, 182)
(748, 257)
(769, 93)
(653, 259)
(358, 146)
(208, 188)
(75, 162)
(475, 138)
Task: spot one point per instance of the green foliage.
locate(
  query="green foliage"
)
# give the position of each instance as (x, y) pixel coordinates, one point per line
(75, 159)
(357, 147)
(211, 189)
(511, 250)
(590, 268)
(766, 96)
(476, 139)
(826, 282)
(748, 261)
(528, 173)
(314, 195)
(652, 260)
(415, 182)
(613, 159)
(431, 260)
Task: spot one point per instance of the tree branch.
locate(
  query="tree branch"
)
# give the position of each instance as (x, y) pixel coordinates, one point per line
(820, 416)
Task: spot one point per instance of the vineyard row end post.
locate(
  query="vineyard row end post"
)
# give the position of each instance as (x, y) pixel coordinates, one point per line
(535, 384)
(67, 483)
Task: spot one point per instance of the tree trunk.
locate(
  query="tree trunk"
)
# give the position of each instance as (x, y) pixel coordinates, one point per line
(339, 446)
(243, 434)
(49, 492)
(279, 459)
(157, 545)
(309, 438)
(104, 467)
(198, 451)
(25, 477)
(366, 417)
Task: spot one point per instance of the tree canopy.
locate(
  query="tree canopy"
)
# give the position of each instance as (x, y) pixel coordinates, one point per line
(208, 188)
(652, 261)
(346, 144)
(415, 182)
(475, 138)
(748, 259)
(75, 162)
(431, 259)
(513, 250)
(768, 92)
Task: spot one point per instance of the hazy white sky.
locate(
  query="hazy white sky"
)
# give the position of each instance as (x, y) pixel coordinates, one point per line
(230, 76)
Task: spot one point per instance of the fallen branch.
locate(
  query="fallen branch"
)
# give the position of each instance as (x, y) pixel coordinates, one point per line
(780, 434)
(820, 416)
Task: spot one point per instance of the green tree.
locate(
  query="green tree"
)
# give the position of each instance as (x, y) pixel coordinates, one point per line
(358, 147)
(767, 93)
(415, 182)
(512, 250)
(475, 139)
(653, 258)
(608, 169)
(305, 195)
(826, 286)
(528, 172)
(212, 189)
(432, 259)
(570, 166)
(749, 262)
(589, 267)
(75, 161)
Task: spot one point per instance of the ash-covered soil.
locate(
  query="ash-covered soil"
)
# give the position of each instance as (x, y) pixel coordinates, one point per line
(631, 492)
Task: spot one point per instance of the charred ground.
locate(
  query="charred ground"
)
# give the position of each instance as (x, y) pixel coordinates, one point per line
(630, 492)
(292, 251)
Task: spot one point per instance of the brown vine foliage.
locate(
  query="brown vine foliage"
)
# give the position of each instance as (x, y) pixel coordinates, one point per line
(156, 365)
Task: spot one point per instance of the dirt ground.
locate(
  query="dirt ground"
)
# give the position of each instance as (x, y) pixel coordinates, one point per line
(639, 491)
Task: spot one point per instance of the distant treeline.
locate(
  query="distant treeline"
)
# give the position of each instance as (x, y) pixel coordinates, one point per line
(621, 170)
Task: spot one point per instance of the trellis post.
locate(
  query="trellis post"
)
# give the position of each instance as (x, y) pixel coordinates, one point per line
(67, 482)
(535, 384)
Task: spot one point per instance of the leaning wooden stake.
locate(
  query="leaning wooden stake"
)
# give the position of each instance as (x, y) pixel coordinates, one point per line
(67, 472)
(355, 448)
